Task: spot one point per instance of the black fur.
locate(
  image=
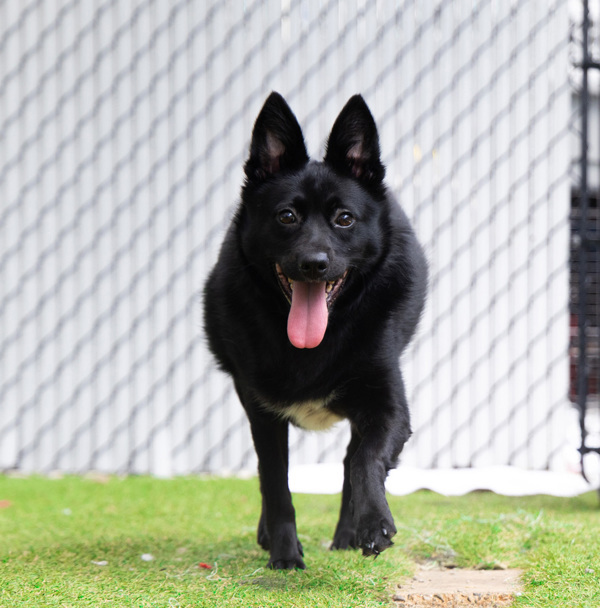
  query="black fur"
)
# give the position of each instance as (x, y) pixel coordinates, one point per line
(314, 222)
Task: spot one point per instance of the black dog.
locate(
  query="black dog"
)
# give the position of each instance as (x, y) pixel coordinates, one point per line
(318, 288)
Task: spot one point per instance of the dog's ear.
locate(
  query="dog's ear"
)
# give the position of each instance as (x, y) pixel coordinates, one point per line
(353, 145)
(277, 141)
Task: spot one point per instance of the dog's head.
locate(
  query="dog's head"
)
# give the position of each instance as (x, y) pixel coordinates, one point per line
(312, 226)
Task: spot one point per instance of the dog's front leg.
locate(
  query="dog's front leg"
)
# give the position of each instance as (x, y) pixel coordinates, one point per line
(345, 532)
(277, 525)
(380, 431)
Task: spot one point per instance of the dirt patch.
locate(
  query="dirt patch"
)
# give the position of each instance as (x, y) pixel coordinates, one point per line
(456, 588)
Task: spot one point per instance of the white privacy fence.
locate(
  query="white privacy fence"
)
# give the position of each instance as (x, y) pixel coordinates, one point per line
(123, 129)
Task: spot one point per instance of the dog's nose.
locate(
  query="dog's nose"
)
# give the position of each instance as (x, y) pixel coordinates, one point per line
(314, 266)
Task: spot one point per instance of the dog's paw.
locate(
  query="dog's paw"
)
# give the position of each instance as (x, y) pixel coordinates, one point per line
(287, 563)
(286, 550)
(375, 538)
(288, 560)
(344, 539)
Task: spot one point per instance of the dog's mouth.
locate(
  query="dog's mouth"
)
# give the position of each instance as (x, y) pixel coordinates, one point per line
(310, 302)
(332, 288)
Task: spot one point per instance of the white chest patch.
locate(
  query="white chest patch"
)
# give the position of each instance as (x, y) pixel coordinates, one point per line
(310, 415)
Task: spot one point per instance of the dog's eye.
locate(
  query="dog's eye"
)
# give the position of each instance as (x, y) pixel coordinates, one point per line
(287, 217)
(344, 219)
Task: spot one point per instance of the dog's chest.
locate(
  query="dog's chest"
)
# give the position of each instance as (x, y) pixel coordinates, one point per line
(312, 415)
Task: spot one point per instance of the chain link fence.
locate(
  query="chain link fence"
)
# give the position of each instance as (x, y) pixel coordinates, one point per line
(124, 127)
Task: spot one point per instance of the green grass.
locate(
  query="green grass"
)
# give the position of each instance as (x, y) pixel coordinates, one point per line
(53, 530)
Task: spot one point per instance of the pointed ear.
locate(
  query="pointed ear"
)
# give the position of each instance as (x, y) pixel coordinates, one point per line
(277, 141)
(353, 145)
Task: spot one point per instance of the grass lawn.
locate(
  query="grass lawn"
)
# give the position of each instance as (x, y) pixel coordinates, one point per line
(79, 542)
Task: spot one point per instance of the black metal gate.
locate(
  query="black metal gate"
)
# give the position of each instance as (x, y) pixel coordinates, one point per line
(585, 250)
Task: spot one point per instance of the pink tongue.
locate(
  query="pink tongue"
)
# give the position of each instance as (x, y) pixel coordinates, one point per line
(307, 321)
